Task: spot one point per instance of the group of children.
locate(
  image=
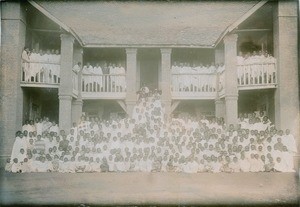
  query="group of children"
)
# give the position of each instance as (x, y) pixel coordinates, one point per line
(186, 77)
(152, 142)
(258, 67)
(41, 66)
(103, 79)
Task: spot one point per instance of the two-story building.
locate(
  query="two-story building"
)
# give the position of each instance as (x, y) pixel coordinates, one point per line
(147, 40)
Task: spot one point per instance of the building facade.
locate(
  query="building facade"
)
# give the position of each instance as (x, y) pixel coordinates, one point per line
(147, 39)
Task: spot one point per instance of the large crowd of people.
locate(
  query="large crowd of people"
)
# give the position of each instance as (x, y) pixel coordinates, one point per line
(149, 141)
(41, 66)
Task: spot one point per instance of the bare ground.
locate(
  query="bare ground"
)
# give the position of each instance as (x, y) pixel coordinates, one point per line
(149, 189)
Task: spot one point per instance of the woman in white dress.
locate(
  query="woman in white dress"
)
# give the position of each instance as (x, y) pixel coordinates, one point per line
(26, 64)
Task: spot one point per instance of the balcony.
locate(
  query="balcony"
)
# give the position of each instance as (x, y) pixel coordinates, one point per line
(38, 74)
(257, 76)
(194, 86)
(205, 86)
(187, 86)
(103, 86)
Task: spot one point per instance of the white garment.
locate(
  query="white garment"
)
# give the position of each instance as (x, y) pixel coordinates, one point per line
(20, 143)
(290, 143)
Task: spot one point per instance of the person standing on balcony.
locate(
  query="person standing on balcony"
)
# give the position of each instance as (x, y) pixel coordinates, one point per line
(256, 72)
(121, 78)
(113, 78)
(185, 76)
(49, 65)
(88, 82)
(240, 65)
(34, 65)
(271, 62)
(26, 64)
(44, 66)
(53, 66)
(77, 68)
(56, 61)
(106, 79)
(97, 71)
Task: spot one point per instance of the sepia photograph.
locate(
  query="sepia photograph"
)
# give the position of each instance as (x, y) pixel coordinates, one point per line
(149, 103)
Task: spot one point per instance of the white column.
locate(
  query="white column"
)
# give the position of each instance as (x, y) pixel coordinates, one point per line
(286, 54)
(131, 72)
(66, 87)
(166, 79)
(231, 90)
(78, 103)
(220, 108)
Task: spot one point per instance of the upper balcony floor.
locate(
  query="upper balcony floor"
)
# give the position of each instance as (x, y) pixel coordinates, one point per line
(186, 82)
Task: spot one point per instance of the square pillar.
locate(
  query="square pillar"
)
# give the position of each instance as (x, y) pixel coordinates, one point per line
(131, 72)
(166, 79)
(66, 87)
(65, 112)
(66, 64)
(13, 25)
(78, 103)
(231, 90)
(220, 108)
(286, 53)
(76, 110)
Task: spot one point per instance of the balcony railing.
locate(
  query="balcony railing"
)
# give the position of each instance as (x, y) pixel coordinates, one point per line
(194, 86)
(184, 86)
(40, 74)
(103, 86)
(254, 76)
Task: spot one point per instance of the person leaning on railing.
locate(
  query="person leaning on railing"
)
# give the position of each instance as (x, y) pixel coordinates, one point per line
(26, 64)
(193, 78)
(257, 67)
(77, 67)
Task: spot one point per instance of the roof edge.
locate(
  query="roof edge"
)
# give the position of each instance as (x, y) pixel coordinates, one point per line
(54, 19)
(96, 45)
(241, 19)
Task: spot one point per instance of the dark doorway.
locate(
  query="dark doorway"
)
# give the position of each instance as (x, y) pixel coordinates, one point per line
(39, 103)
(149, 61)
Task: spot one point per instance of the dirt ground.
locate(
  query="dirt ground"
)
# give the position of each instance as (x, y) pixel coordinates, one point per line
(149, 189)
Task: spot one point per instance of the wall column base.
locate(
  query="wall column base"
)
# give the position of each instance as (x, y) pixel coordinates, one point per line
(231, 110)
(65, 112)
